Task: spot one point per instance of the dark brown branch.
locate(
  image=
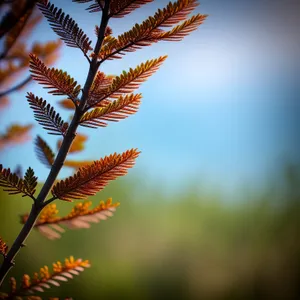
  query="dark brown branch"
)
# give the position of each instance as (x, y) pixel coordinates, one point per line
(61, 156)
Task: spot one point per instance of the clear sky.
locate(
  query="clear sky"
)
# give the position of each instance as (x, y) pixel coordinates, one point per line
(223, 109)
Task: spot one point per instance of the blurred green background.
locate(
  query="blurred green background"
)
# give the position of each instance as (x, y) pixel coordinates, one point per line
(188, 245)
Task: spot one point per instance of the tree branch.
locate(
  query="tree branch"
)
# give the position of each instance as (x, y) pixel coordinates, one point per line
(61, 156)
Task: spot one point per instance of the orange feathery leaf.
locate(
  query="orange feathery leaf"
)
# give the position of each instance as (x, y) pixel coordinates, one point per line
(129, 81)
(173, 13)
(149, 31)
(15, 185)
(3, 247)
(61, 272)
(99, 86)
(121, 8)
(15, 134)
(113, 111)
(93, 178)
(59, 82)
(50, 224)
(182, 30)
(117, 8)
(65, 27)
(46, 116)
(78, 143)
(108, 31)
(44, 152)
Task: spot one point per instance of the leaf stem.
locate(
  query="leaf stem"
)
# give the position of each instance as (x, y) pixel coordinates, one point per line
(40, 202)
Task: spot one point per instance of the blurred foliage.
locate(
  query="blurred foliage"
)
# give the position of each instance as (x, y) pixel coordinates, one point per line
(18, 21)
(191, 245)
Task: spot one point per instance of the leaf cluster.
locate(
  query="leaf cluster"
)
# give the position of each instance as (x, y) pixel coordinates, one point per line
(57, 81)
(65, 27)
(15, 28)
(13, 184)
(152, 30)
(51, 225)
(45, 115)
(89, 180)
(104, 98)
(45, 279)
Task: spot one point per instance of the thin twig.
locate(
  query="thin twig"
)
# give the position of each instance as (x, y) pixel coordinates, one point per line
(49, 201)
(86, 56)
(16, 87)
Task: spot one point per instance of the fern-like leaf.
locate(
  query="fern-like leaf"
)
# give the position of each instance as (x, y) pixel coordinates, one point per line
(93, 178)
(114, 111)
(65, 27)
(121, 8)
(44, 152)
(99, 86)
(61, 272)
(59, 82)
(30, 181)
(3, 247)
(13, 184)
(129, 81)
(46, 115)
(182, 30)
(50, 224)
(173, 13)
(117, 8)
(151, 30)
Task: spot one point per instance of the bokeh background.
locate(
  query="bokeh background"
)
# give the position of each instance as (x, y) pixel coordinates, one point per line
(211, 210)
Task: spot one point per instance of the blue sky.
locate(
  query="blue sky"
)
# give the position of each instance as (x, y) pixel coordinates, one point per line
(222, 110)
